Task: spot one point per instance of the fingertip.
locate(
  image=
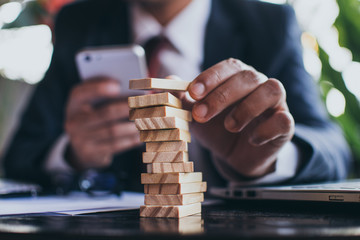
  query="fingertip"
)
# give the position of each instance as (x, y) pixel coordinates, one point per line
(113, 87)
(106, 87)
(197, 90)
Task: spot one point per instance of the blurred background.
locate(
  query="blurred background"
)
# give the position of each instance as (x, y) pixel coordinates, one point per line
(331, 42)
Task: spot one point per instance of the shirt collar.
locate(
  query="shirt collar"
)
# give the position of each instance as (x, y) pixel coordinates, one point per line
(186, 31)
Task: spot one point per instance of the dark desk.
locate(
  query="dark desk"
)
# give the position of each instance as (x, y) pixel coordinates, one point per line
(255, 220)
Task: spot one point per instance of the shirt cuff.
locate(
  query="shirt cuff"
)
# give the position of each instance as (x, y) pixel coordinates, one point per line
(55, 161)
(286, 167)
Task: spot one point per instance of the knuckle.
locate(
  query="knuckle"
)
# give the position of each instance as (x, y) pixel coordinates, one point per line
(222, 97)
(275, 87)
(234, 62)
(216, 78)
(250, 76)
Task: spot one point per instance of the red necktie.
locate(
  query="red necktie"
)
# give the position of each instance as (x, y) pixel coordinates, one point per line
(153, 48)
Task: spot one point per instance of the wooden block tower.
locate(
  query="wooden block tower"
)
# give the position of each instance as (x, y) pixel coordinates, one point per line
(172, 188)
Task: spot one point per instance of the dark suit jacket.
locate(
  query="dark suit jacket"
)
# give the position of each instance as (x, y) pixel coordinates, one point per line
(263, 35)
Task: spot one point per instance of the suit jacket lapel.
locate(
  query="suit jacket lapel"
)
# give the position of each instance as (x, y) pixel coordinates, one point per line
(222, 38)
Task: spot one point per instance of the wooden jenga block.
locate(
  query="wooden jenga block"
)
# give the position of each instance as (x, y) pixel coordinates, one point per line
(175, 188)
(156, 178)
(157, 123)
(158, 83)
(166, 146)
(193, 224)
(170, 211)
(170, 167)
(159, 99)
(165, 135)
(165, 157)
(163, 111)
(179, 199)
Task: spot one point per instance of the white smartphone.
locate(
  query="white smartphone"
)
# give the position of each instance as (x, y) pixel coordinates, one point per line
(121, 63)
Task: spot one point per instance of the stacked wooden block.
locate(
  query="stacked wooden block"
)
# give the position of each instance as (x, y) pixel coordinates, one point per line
(193, 224)
(172, 188)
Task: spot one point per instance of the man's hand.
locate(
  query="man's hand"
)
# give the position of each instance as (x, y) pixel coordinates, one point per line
(241, 116)
(96, 133)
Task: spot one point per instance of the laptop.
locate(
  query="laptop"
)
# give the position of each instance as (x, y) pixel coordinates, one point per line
(10, 188)
(344, 191)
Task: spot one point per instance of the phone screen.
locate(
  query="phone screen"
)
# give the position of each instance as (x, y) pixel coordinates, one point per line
(121, 63)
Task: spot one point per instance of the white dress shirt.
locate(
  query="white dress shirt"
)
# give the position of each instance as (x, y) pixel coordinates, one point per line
(186, 33)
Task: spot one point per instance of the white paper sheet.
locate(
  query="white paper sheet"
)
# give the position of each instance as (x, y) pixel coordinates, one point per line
(75, 203)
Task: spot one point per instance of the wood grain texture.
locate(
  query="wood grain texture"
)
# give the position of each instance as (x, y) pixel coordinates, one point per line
(165, 135)
(179, 199)
(170, 211)
(166, 146)
(156, 178)
(158, 83)
(193, 224)
(156, 123)
(165, 157)
(158, 99)
(170, 167)
(175, 188)
(163, 111)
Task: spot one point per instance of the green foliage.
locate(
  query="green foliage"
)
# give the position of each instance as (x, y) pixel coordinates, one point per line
(348, 26)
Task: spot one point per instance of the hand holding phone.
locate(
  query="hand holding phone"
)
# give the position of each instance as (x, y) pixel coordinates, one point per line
(97, 132)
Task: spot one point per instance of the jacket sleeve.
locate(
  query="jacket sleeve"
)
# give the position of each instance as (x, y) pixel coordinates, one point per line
(324, 152)
(42, 121)
(78, 25)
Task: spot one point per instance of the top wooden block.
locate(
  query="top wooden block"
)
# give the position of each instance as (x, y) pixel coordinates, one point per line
(158, 83)
(159, 99)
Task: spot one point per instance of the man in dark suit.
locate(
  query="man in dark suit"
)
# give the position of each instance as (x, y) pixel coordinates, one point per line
(258, 120)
